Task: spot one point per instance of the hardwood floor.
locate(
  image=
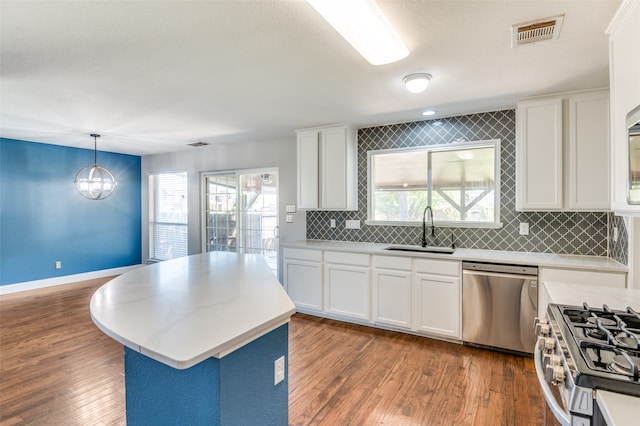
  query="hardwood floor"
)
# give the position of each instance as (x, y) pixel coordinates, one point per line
(57, 368)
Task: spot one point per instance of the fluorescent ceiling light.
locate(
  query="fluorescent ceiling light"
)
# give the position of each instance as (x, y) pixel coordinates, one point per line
(365, 27)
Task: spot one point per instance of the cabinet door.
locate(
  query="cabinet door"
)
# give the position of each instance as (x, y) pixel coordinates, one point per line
(333, 168)
(589, 151)
(303, 281)
(347, 291)
(539, 178)
(437, 305)
(307, 144)
(392, 297)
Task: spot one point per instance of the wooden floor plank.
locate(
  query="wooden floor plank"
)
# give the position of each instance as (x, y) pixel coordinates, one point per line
(57, 368)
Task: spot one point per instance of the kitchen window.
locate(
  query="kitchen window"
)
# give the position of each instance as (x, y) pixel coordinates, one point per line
(461, 182)
(167, 216)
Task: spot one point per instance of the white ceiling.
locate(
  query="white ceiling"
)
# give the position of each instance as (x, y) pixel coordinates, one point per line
(153, 76)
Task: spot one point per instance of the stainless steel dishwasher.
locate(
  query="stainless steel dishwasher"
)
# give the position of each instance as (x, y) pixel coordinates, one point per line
(499, 305)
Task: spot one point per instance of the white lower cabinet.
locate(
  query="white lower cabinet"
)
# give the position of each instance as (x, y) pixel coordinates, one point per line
(303, 278)
(347, 285)
(437, 298)
(404, 293)
(392, 291)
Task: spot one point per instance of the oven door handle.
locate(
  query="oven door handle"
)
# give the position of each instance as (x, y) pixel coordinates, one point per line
(557, 410)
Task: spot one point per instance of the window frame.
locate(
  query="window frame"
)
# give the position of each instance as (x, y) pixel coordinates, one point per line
(495, 143)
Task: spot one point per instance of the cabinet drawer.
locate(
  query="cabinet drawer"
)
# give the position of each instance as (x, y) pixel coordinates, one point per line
(391, 262)
(571, 276)
(346, 258)
(301, 254)
(438, 267)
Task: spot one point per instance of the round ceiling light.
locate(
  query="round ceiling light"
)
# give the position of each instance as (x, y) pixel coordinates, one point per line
(428, 112)
(417, 83)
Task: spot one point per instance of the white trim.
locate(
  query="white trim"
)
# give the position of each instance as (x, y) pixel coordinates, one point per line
(494, 143)
(442, 224)
(50, 282)
(619, 18)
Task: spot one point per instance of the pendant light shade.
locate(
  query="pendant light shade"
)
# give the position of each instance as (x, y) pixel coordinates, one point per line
(95, 182)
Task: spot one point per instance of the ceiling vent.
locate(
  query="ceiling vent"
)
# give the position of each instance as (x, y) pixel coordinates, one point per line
(535, 31)
(197, 144)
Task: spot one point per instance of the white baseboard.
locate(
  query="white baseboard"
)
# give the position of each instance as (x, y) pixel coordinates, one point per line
(67, 279)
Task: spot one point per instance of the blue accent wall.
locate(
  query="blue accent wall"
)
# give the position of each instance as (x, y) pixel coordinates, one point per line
(43, 219)
(235, 390)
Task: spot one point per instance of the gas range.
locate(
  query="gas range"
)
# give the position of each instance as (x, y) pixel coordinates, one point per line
(580, 350)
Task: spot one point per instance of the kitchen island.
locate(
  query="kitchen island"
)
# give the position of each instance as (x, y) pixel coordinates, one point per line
(201, 336)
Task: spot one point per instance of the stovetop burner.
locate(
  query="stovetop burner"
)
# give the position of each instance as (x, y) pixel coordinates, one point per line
(617, 328)
(604, 346)
(627, 365)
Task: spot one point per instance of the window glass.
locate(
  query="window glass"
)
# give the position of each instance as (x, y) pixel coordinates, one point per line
(168, 216)
(460, 183)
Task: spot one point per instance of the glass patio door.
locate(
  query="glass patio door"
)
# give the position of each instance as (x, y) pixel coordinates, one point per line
(241, 213)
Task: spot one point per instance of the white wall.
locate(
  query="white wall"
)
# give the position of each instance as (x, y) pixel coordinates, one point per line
(231, 156)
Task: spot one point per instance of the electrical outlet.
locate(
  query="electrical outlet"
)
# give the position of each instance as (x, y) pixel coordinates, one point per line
(615, 234)
(352, 224)
(278, 370)
(58, 264)
(524, 228)
(289, 218)
(332, 223)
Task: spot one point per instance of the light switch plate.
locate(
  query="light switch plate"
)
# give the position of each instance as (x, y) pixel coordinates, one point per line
(291, 208)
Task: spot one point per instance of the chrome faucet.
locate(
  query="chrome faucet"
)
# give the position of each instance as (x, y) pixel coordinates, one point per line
(424, 226)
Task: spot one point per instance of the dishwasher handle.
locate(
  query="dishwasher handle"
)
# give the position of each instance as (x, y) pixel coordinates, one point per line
(500, 268)
(533, 278)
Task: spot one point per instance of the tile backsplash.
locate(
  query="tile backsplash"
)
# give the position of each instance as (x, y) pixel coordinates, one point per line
(584, 233)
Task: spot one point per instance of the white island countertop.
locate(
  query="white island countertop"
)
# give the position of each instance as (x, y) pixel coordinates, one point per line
(550, 260)
(183, 311)
(618, 409)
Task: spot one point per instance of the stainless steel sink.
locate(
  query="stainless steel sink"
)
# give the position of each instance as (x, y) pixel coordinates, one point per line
(427, 249)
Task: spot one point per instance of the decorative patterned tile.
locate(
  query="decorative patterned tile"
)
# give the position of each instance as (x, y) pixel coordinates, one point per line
(585, 233)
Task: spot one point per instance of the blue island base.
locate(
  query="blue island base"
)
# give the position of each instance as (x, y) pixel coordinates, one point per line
(236, 389)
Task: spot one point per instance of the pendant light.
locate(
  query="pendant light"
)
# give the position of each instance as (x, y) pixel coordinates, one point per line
(95, 182)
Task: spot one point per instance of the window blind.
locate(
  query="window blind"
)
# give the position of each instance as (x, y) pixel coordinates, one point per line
(168, 222)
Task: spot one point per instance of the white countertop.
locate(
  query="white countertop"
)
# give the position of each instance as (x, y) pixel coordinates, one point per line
(618, 409)
(594, 296)
(597, 263)
(185, 310)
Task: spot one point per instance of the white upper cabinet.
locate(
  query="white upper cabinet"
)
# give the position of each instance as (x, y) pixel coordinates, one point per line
(589, 151)
(539, 154)
(327, 168)
(562, 152)
(308, 162)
